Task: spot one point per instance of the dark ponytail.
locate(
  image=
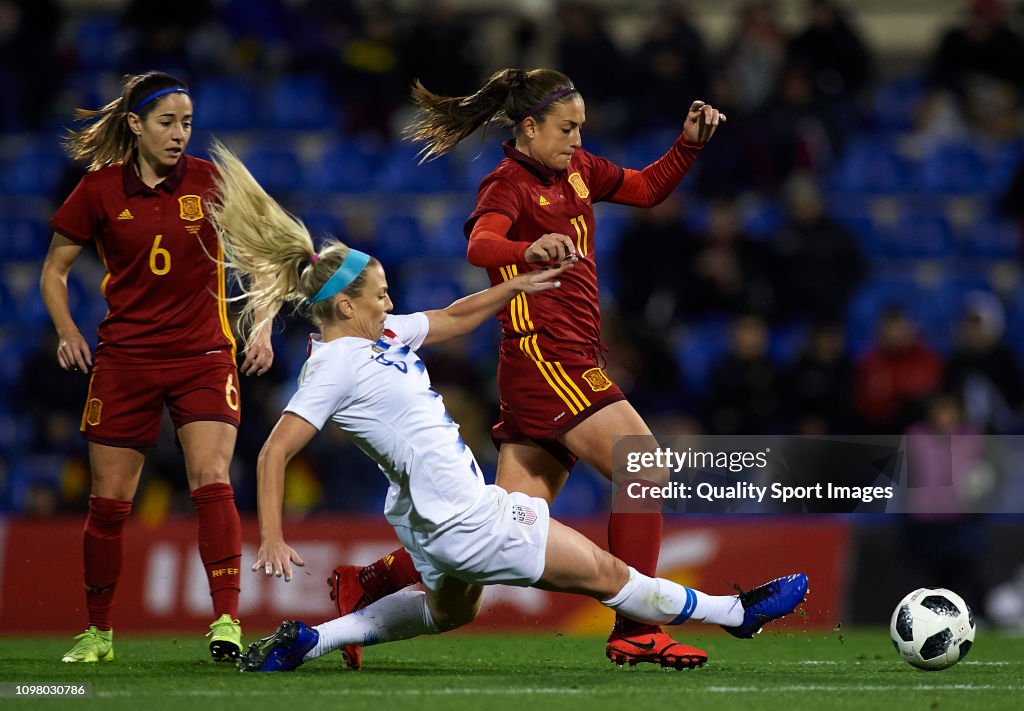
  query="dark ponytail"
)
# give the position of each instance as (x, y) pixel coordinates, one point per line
(508, 97)
(108, 139)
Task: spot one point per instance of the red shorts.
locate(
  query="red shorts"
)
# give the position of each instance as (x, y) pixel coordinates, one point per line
(544, 395)
(125, 403)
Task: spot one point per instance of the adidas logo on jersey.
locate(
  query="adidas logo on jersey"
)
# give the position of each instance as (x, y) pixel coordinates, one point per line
(125, 215)
(544, 201)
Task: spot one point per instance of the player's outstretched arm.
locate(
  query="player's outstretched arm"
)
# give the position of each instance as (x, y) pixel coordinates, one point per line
(464, 315)
(290, 435)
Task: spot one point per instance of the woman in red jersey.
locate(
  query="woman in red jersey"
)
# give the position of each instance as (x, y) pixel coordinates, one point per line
(166, 339)
(557, 403)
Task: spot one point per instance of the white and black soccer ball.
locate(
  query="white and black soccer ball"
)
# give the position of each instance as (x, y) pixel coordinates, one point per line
(932, 628)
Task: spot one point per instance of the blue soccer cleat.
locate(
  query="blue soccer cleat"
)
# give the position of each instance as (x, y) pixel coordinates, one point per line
(769, 602)
(282, 651)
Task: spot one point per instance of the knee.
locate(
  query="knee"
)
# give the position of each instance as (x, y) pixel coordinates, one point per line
(453, 615)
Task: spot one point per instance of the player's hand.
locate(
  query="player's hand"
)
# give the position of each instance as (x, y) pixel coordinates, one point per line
(551, 247)
(701, 122)
(543, 279)
(259, 354)
(276, 558)
(73, 353)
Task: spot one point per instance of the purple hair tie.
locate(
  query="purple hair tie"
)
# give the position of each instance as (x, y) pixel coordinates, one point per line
(540, 106)
(314, 258)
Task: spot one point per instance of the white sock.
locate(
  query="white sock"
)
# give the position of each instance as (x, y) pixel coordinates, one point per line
(401, 615)
(658, 601)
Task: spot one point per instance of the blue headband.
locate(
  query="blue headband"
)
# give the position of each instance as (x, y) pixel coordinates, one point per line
(157, 94)
(351, 267)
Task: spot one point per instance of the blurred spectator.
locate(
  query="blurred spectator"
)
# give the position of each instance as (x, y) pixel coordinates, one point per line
(729, 273)
(157, 39)
(820, 264)
(368, 78)
(896, 375)
(1011, 205)
(754, 54)
(438, 49)
(52, 398)
(745, 394)
(672, 55)
(820, 385)
(981, 62)
(587, 53)
(652, 251)
(982, 370)
(794, 133)
(28, 39)
(944, 530)
(321, 28)
(831, 49)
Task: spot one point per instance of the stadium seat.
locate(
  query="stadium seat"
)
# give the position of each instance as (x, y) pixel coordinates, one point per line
(300, 103)
(98, 42)
(954, 168)
(347, 167)
(922, 234)
(895, 103)
(430, 283)
(761, 220)
(475, 161)
(699, 347)
(991, 237)
(322, 224)
(398, 237)
(872, 166)
(278, 169)
(446, 239)
(226, 104)
(401, 172)
(1003, 167)
(23, 238)
(35, 171)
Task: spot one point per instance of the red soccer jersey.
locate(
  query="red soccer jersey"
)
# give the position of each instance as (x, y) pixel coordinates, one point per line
(540, 201)
(162, 285)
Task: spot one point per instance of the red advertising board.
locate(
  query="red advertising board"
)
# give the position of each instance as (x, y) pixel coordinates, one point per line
(163, 588)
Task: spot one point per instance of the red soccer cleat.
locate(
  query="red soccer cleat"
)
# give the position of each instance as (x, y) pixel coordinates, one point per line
(648, 644)
(348, 596)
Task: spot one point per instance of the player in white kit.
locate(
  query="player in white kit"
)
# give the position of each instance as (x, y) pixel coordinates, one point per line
(364, 375)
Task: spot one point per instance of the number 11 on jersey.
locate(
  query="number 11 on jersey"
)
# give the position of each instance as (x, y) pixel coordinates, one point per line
(580, 223)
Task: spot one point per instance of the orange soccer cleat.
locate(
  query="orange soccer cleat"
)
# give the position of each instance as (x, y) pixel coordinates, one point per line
(348, 596)
(648, 644)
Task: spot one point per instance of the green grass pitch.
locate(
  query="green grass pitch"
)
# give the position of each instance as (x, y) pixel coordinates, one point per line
(856, 669)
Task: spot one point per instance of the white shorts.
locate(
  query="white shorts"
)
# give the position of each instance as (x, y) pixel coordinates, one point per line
(502, 539)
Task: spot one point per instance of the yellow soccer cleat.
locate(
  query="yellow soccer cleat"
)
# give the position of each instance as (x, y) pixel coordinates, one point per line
(225, 639)
(93, 645)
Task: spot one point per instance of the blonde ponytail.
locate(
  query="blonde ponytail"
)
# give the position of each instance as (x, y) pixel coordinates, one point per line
(270, 250)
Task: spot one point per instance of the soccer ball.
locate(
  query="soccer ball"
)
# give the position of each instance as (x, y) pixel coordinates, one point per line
(932, 628)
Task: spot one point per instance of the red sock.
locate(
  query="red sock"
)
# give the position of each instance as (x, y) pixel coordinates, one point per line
(102, 552)
(634, 536)
(389, 574)
(220, 544)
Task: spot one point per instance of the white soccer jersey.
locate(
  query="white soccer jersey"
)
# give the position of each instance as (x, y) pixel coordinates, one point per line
(380, 394)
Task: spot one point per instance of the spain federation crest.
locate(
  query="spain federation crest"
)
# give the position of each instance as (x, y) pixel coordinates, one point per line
(597, 380)
(576, 181)
(191, 207)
